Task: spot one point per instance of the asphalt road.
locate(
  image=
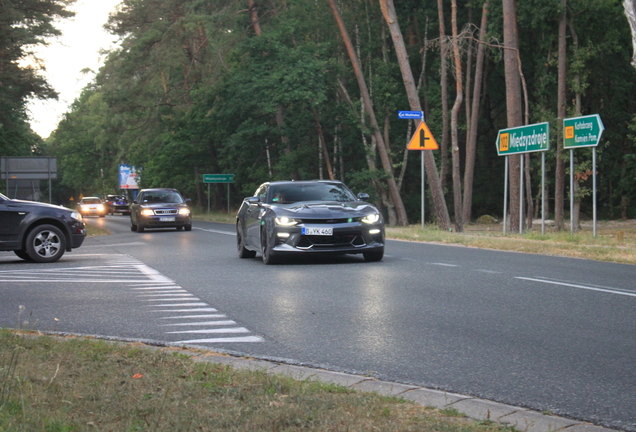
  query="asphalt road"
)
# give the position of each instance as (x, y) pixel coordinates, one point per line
(545, 333)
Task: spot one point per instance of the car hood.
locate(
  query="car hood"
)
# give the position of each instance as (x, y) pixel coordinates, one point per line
(23, 203)
(325, 209)
(163, 205)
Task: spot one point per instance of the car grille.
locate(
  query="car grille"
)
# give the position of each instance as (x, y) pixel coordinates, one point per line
(329, 221)
(166, 212)
(338, 240)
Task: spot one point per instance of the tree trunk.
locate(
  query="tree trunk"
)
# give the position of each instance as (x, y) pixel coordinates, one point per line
(444, 87)
(471, 144)
(459, 94)
(513, 102)
(630, 13)
(441, 211)
(559, 188)
(364, 92)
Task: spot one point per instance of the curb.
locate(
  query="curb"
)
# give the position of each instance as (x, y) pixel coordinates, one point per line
(520, 419)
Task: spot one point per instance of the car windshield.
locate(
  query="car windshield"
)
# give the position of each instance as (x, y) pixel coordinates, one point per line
(91, 201)
(289, 193)
(162, 197)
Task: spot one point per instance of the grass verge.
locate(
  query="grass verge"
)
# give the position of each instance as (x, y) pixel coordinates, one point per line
(55, 384)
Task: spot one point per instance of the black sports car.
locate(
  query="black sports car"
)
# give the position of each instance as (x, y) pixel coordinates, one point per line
(37, 231)
(318, 216)
(160, 208)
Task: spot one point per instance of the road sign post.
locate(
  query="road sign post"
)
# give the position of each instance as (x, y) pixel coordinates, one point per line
(584, 131)
(520, 140)
(422, 140)
(219, 178)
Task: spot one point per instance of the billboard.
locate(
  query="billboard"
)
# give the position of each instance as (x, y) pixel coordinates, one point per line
(127, 177)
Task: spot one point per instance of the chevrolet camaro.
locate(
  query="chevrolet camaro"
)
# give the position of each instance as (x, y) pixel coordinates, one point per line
(306, 217)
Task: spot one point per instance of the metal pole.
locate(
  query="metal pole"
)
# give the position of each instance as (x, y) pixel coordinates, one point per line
(505, 197)
(521, 168)
(594, 187)
(542, 193)
(228, 198)
(571, 191)
(208, 198)
(423, 188)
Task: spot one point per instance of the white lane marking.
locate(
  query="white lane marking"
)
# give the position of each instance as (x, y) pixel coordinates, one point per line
(168, 305)
(223, 340)
(203, 309)
(444, 264)
(617, 291)
(200, 323)
(487, 271)
(195, 316)
(168, 297)
(212, 331)
(215, 231)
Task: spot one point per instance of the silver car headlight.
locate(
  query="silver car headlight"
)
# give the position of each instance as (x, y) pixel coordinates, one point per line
(184, 211)
(285, 221)
(77, 216)
(372, 218)
(147, 212)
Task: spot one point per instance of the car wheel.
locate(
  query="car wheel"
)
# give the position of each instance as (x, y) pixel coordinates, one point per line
(266, 251)
(133, 227)
(374, 256)
(22, 254)
(45, 244)
(243, 252)
(188, 227)
(140, 228)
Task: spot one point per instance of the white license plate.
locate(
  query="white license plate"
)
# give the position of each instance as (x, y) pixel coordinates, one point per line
(166, 219)
(318, 231)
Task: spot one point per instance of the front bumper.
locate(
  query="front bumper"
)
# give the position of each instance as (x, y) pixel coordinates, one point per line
(351, 238)
(160, 222)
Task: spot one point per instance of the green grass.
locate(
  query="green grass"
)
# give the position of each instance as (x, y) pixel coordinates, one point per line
(74, 384)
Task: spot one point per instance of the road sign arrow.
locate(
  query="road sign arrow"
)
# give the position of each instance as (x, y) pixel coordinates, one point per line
(422, 139)
(582, 131)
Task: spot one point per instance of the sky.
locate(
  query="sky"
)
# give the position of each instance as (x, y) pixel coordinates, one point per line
(76, 49)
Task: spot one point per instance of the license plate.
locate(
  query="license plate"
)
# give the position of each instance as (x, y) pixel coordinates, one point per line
(318, 231)
(166, 219)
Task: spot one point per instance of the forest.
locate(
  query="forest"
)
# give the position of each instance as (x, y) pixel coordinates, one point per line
(311, 89)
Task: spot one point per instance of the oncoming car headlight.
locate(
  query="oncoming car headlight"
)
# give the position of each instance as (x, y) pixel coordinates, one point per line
(285, 221)
(100, 208)
(147, 212)
(372, 218)
(184, 211)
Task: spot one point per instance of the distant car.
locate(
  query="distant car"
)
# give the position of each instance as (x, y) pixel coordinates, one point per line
(37, 231)
(160, 208)
(305, 217)
(92, 206)
(117, 204)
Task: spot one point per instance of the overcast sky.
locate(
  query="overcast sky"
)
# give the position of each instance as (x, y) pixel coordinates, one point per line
(78, 48)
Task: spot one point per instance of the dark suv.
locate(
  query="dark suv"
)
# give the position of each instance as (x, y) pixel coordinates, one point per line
(37, 231)
(160, 208)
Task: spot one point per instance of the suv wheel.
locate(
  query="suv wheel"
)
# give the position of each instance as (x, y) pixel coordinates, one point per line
(45, 244)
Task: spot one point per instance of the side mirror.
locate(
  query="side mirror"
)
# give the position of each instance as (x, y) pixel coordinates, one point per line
(253, 200)
(363, 196)
(188, 201)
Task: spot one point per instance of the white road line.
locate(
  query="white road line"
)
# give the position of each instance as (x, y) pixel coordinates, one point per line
(223, 340)
(617, 291)
(203, 309)
(444, 264)
(212, 331)
(215, 231)
(195, 316)
(215, 323)
(197, 323)
(182, 304)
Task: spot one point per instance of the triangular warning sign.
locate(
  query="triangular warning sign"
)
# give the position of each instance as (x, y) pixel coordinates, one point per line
(422, 139)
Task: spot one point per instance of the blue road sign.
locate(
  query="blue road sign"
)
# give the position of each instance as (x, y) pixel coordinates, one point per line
(408, 115)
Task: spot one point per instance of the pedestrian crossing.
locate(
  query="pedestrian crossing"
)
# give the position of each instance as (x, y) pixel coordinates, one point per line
(179, 314)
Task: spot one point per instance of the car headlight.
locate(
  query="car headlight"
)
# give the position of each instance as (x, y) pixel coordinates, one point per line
(184, 211)
(76, 215)
(100, 208)
(372, 218)
(285, 221)
(147, 212)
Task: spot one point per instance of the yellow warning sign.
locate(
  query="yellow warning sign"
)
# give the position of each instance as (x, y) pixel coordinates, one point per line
(504, 142)
(422, 139)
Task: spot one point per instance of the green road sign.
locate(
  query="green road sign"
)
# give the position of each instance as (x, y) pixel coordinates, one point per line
(218, 178)
(524, 139)
(583, 131)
